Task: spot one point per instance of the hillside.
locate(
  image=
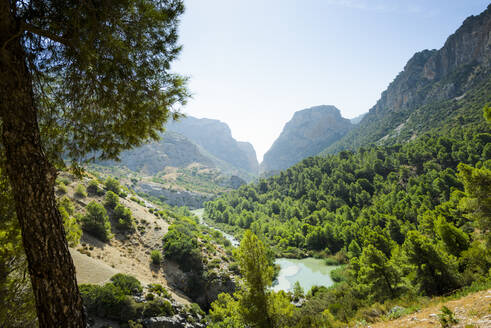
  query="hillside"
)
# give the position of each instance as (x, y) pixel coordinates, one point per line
(216, 138)
(434, 84)
(308, 132)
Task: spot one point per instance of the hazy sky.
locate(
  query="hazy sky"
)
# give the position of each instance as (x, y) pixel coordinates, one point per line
(253, 63)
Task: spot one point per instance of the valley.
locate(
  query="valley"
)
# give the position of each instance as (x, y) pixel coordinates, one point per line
(153, 219)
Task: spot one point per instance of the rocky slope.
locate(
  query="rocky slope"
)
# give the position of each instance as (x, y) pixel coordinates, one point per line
(432, 82)
(309, 131)
(216, 138)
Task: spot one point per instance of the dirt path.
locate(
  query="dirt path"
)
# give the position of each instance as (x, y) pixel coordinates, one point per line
(473, 310)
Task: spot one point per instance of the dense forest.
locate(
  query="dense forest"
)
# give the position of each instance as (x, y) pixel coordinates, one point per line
(406, 219)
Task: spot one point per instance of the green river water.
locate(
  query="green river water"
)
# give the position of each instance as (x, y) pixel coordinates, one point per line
(308, 271)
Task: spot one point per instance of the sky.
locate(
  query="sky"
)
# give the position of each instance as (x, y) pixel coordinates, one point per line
(253, 63)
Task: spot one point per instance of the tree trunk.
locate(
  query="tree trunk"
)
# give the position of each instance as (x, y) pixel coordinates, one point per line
(32, 178)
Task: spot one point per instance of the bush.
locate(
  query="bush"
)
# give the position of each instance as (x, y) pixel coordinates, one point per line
(80, 191)
(93, 187)
(156, 257)
(111, 200)
(62, 189)
(128, 284)
(158, 307)
(73, 231)
(110, 302)
(122, 215)
(112, 184)
(96, 221)
(446, 317)
(67, 204)
(159, 290)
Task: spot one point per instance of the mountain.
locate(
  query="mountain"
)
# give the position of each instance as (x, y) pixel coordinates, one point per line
(356, 120)
(436, 90)
(309, 131)
(216, 138)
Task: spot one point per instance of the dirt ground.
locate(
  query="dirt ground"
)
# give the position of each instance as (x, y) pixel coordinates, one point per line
(96, 261)
(472, 311)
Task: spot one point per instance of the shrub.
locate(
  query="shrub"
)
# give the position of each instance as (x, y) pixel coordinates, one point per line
(128, 284)
(96, 221)
(62, 189)
(72, 229)
(93, 187)
(158, 307)
(80, 191)
(66, 181)
(67, 204)
(110, 302)
(111, 200)
(112, 185)
(122, 215)
(159, 290)
(446, 317)
(156, 257)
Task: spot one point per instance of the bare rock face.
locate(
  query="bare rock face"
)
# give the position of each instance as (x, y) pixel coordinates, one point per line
(429, 77)
(306, 134)
(216, 138)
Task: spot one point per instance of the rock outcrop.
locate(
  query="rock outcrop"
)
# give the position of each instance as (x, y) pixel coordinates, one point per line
(430, 77)
(216, 138)
(306, 134)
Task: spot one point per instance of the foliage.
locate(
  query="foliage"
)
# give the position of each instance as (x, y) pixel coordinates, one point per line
(180, 244)
(17, 307)
(72, 228)
(96, 221)
(93, 187)
(409, 218)
(112, 185)
(123, 217)
(446, 317)
(129, 285)
(111, 199)
(80, 191)
(156, 257)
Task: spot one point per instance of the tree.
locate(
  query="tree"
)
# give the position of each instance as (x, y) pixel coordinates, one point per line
(96, 221)
(83, 79)
(258, 276)
(436, 271)
(378, 273)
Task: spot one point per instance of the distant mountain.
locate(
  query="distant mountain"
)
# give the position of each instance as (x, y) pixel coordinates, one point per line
(356, 120)
(309, 131)
(216, 138)
(172, 150)
(437, 89)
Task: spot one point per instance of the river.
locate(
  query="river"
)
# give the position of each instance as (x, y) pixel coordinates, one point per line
(308, 271)
(199, 213)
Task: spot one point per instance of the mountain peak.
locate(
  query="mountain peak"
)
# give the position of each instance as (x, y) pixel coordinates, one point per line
(308, 132)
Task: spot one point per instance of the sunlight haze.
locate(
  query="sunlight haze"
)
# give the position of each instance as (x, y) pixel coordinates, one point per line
(252, 64)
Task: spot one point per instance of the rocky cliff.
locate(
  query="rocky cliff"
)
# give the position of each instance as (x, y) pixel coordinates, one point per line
(306, 134)
(421, 92)
(216, 138)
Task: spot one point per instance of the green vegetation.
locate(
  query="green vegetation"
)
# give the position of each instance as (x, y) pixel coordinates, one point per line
(407, 219)
(93, 187)
(180, 244)
(446, 318)
(124, 219)
(80, 191)
(96, 221)
(156, 257)
(128, 284)
(112, 185)
(111, 199)
(17, 307)
(114, 301)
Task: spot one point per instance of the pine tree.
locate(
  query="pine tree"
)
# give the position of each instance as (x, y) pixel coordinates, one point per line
(77, 78)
